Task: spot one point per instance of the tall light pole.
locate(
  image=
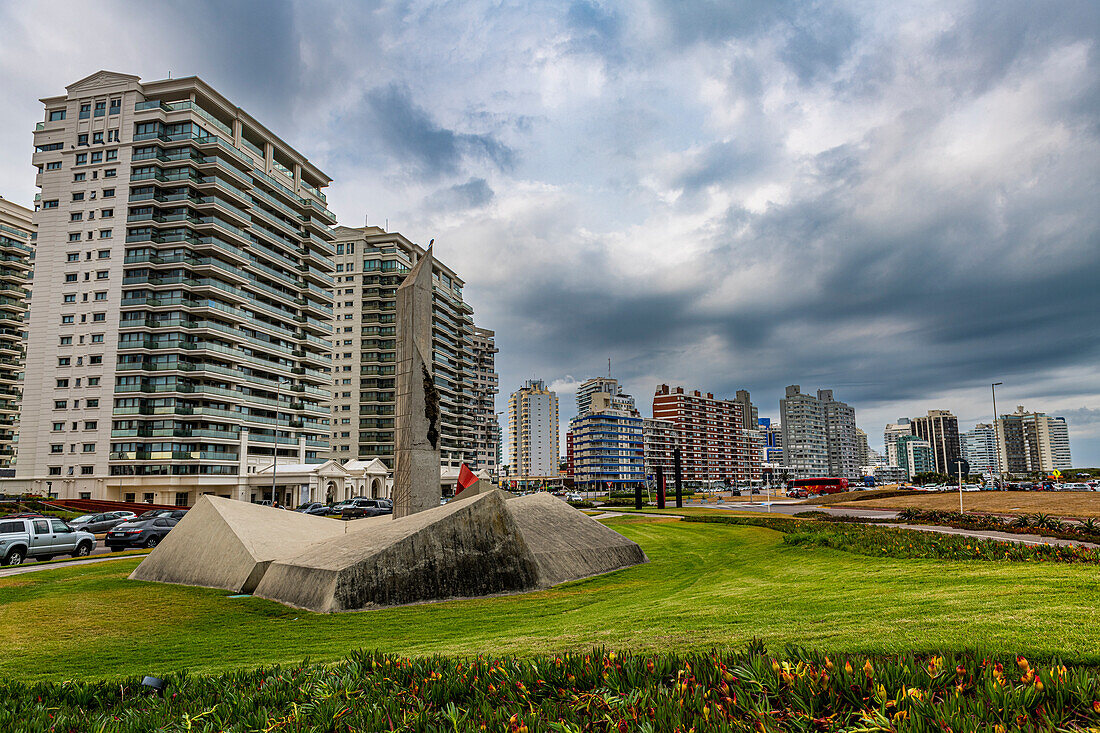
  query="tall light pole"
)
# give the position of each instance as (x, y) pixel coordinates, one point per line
(275, 452)
(996, 443)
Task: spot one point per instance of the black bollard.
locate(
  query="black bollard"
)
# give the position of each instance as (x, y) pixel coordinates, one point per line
(660, 487)
(679, 478)
(637, 496)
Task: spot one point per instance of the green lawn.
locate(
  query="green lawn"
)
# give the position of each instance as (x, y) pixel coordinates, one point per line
(708, 585)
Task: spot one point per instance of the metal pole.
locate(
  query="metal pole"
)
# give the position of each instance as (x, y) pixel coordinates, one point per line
(960, 487)
(996, 443)
(679, 478)
(660, 487)
(275, 454)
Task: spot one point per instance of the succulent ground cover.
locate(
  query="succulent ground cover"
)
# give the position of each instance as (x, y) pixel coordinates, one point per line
(795, 690)
(1085, 530)
(866, 539)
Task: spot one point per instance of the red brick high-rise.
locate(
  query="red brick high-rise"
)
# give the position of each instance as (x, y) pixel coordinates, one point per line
(713, 441)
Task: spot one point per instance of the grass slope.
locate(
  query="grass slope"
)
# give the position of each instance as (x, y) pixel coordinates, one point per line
(708, 585)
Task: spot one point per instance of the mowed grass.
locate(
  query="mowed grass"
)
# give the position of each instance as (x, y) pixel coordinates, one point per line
(707, 585)
(1056, 503)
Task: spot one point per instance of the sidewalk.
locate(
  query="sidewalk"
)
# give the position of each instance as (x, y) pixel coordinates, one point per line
(35, 567)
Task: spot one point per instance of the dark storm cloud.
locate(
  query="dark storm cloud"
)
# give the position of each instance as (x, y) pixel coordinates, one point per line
(469, 195)
(411, 135)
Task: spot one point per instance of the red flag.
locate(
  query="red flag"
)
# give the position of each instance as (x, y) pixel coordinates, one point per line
(466, 479)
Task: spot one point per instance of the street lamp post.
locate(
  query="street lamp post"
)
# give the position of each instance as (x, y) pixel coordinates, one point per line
(996, 443)
(275, 450)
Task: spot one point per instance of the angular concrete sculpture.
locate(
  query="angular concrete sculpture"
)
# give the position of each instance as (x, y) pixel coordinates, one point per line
(480, 546)
(224, 543)
(416, 424)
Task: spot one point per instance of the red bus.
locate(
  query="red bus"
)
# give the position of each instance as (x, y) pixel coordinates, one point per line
(818, 485)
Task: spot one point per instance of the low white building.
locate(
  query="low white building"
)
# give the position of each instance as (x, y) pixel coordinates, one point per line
(300, 483)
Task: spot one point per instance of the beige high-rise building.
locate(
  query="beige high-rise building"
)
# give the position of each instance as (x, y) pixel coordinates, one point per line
(370, 263)
(1031, 442)
(17, 239)
(486, 386)
(533, 433)
(182, 324)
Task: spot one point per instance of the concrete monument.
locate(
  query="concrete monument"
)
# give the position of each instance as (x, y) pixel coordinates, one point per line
(416, 424)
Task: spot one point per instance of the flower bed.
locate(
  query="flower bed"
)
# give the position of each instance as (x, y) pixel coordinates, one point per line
(1087, 530)
(596, 691)
(906, 543)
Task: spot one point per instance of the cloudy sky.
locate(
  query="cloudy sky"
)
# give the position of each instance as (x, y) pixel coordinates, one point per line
(899, 201)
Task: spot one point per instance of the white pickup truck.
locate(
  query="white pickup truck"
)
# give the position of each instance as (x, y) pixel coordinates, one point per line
(40, 538)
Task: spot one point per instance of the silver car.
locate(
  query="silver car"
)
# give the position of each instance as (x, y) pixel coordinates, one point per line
(97, 523)
(41, 538)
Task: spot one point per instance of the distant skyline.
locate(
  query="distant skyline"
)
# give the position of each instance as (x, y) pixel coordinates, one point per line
(896, 201)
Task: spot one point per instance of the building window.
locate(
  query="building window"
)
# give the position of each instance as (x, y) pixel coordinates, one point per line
(108, 193)
(97, 138)
(62, 383)
(101, 275)
(99, 317)
(54, 165)
(78, 177)
(74, 237)
(97, 338)
(64, 361)
(86, 471)
(57, 447)
(107, 214)
(56, 115)
(81, 158)
(55, 470)
(66, 319)
(104, 234)
(116, 106)
(109, 172)
(51, 204)
(93, 382)
(112, 155)
(58, 427)
(91, 424)
(96, 359)
(181, 498)
(66, 340)
(97, 156)
(60, 404)
(93, 401)
(85, 111)
(101, 295)
(100, 109)
(89, 447)
(76, 216)
(78, 196)
(112, 136)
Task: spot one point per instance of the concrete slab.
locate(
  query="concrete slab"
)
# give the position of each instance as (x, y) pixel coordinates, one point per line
(462, 549)
(474, 546)
(225, 543)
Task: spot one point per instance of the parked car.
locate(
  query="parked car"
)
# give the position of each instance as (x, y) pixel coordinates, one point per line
(798, 494)
(41, 538)
(315, 508)
(141, 532)
(367, 508)
(176, 514)
(97, 523)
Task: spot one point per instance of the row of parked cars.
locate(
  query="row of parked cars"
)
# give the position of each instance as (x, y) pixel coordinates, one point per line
(34, 536)
(355, 508)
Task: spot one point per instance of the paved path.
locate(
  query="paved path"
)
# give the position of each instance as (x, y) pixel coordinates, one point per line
(20, 569)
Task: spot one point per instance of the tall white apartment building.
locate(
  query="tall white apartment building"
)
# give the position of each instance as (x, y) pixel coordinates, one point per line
(603, 385)
(182, 326)
(979, 448)
(1059, 444)
(485, 388)
(17, 239)
(819, 434)
(370, 263)
(890, 436)
(660, 438)
(533, 432)
(1032, 442)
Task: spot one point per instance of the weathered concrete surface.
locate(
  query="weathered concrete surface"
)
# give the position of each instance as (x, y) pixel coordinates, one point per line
(481, 487)
(461, 549)
(569, 545)
(225, 543)
(476, 546)
(416, 424)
